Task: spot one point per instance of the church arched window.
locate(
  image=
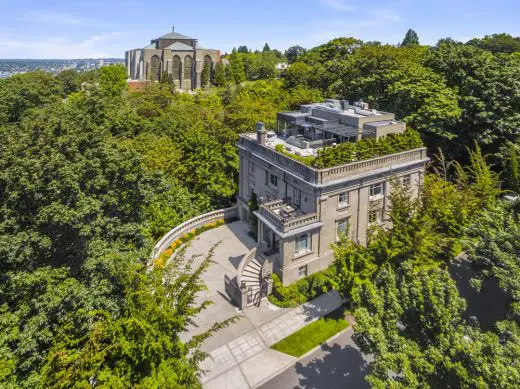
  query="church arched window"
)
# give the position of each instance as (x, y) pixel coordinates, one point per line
(188, 68)
(155, 68)
(176, 67)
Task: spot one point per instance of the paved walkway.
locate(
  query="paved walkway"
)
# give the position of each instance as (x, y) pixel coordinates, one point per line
(240, 356)
(247, 360)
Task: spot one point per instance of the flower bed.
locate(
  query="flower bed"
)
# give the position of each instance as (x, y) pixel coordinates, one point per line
(166, 254)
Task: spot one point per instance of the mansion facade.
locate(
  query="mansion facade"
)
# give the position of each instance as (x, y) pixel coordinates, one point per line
(303, 210)
(175, 54)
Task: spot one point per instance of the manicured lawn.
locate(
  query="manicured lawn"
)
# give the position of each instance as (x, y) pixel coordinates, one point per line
(312, 335)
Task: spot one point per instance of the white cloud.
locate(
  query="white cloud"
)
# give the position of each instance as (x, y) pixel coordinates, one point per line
(338, 5)
(52, 17)
(96, 46)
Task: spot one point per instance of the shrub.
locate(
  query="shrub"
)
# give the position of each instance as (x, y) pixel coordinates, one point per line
(309, 161)
(367, 148)
(304, 290)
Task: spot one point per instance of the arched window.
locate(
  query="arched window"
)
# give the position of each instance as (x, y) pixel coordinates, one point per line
(176, 68)
(155, 68)
(188, 68)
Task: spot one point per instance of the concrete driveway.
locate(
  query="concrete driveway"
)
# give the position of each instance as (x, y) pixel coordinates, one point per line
(234, 243)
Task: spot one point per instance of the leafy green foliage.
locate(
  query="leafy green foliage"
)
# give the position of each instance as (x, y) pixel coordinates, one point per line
(293, 53)
(367, 148)
(303, 290)
(497, 250)
(497, 43)
(309, 161)
(410, 39)
(220, 74)
(488, 95)
(22, 92)
(142, 345)
(205, 75)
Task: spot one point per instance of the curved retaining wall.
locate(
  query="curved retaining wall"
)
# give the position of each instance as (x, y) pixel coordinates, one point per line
(198, 221)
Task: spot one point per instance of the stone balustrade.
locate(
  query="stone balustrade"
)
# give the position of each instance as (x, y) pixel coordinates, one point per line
(328, 175)
(286, 225)
(198, 221)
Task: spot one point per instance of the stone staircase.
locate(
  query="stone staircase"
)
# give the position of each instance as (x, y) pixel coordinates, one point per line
(252, 276)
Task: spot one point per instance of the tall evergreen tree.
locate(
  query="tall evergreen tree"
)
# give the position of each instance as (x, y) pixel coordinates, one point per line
(220, 74)
(205, 75)
(266, 47)
(410, 39)
(237, 68)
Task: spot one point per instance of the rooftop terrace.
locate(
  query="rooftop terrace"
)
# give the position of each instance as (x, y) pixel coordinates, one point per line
(337, 121)
(322, 142)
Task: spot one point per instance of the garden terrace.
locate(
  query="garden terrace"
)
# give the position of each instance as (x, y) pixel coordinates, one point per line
(338, 162)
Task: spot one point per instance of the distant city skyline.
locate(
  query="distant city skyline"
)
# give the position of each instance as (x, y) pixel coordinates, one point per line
(62, 29)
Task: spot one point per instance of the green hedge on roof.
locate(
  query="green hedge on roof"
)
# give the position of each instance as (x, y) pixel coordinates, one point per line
(367, 148)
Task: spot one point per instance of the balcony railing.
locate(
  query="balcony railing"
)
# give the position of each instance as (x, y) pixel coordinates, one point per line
(285, 224)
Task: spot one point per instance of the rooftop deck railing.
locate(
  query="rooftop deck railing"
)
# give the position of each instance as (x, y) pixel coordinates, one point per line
(285, 225)
(325, 176)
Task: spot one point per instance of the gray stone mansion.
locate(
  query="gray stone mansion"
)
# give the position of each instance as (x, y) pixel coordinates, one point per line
(176, 54)
(304, 209)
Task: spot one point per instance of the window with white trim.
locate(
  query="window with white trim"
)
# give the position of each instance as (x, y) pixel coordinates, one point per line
(302, 272)
(376, 190)
(341, 228)
(343, 199)
(302, 244)
(252, 167)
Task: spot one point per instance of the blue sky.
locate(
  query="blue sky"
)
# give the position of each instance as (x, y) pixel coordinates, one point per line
(106, 28)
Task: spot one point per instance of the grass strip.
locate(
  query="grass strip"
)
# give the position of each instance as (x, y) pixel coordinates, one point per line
(312, 335)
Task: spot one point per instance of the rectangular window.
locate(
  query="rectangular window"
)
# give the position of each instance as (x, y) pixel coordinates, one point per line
(274, 180)
(343, 199)
(376, 190)
(341, 228)
(302, 244)
(252, 167)
(302, 272)
(406, 180)
(297, 196)
(374, 216)
(266, 177)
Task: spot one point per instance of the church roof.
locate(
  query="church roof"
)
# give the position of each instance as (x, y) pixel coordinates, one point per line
(175, 35)
(179, 46)
(150, 46)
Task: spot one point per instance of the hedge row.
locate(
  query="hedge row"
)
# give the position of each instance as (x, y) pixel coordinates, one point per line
(304, 290)
(309, 161)
(363, 149)
(367, 148)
